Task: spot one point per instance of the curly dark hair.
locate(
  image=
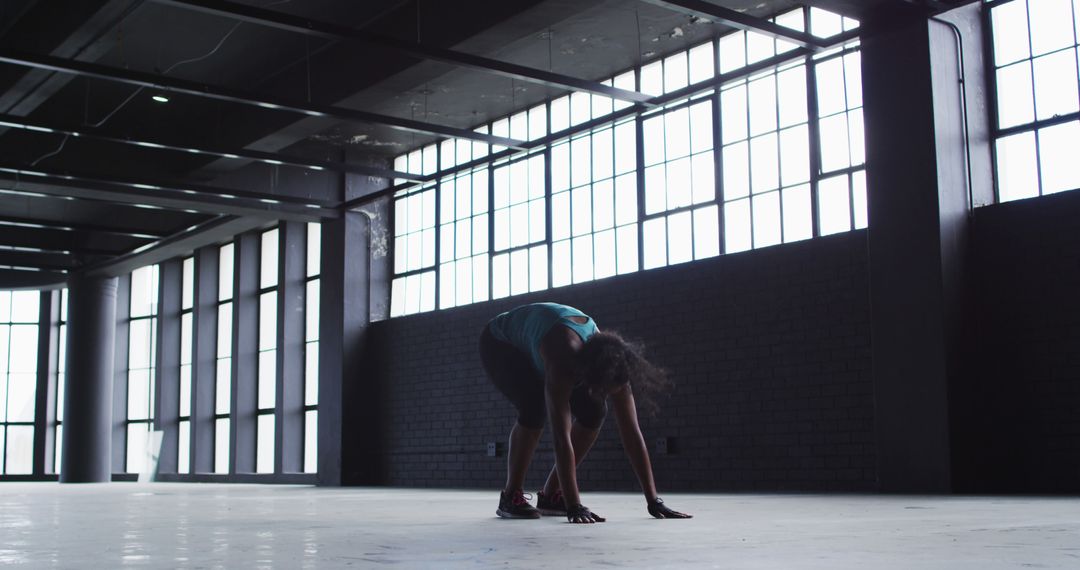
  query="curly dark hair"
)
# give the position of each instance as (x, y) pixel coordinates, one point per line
(608, 359)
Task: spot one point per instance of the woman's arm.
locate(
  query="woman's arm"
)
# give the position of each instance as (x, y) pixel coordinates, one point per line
(638, 453)
(557, 350)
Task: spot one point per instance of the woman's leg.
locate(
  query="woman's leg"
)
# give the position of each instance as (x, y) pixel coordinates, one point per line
(582, 438)
(523, 442)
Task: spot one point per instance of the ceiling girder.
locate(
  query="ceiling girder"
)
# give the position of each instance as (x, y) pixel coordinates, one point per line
(31, 239)
(77, 227)
(174, 85)
(186, 197)
(47, 261)
(327, 30)
(735, 19)
(210, 232)
(11, 121)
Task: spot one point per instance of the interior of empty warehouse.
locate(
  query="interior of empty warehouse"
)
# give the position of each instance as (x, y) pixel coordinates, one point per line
(257, 242)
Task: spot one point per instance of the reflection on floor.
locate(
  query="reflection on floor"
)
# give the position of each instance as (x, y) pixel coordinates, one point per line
(47, 525)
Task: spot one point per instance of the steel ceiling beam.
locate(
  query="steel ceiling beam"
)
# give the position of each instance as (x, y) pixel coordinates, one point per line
(184, 197)
(38, 126)
(46, 261)
(29, 239)
(178, 244)
(77, 227)
(735, 19)
(174, 85)
(327, 30)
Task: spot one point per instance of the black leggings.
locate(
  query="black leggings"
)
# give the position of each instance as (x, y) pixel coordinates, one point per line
(512, 372)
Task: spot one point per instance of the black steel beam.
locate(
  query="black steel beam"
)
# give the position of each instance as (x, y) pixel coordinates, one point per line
(46, 261)
(11, 121)
(77, 227)
(326, 30)
(179, 244)
(187, 197)
(742, 21)
(174, 85)
(35, 240)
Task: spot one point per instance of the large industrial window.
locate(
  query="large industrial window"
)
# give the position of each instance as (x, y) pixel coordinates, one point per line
(142, 343)
(18, 379)
(311, 350)
(187, 309)
(1038, 101)
(754, 143)
(223, 376)
(61, 381)
(267, 377)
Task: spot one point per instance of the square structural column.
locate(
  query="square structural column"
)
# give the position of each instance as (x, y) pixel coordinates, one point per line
(919, 173)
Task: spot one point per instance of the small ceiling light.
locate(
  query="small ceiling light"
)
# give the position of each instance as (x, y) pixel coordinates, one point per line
(160, 98)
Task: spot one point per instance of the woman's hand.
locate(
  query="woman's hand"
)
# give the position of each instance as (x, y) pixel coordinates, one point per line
(580, 514)
(658, 509)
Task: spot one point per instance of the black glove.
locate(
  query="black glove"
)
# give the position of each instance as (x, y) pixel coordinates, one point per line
(581, 514)
(658, 509)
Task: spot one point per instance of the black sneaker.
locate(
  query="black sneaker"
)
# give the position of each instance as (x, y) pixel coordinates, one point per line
(553, 506)
(516, 506)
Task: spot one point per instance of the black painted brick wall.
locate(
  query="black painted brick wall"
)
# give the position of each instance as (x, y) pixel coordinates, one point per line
(769, 349)
(1023, 409)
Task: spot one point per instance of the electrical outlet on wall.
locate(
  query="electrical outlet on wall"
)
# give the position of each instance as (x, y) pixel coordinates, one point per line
(663, 445)
(492, 449)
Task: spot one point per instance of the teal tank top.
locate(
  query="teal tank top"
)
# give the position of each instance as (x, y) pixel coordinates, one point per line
(525, 326)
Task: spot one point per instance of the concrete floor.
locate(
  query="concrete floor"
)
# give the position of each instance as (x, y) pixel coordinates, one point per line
(46, 525)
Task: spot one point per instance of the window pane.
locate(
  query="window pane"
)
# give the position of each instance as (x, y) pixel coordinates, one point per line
(1051, 28)
(21, 389)
(221, 446)
(19, 457)
(706, 232)
(519, 272)
(183, 445)
(1057, 155)
(224, 336)
(830, 87)
(223, 386)
(264, 436)
(311, 311)
(140, 342)
(732, 52)
(655, 238)
(835, 153)
(764, 163)
(1010, 24)
(311, 441)
(311, 374)
(538, 263)
(675, 72)
(701, 63)
(625, 147)
(24, 306)
(798, 215)
(188, 286)
(602, 153)
(314, 247)
(680, 238)
(1055, 84)
(268, 263)
(736, 171)
(1016, 167)
(185, 390)
(144, 291)
(500, 276)
(791, 89)
(138, 395)
(627, 243)
(137, 442)
(604, 242)
(733, 109)
(225, 272)
(834, 205)
(268, 320)
(1014, 93)
(267, 379)
(766, 208)
(560, 264)
(858, 192)
(737, 235)
(794, 156)
(23, 348)
(185, 338)
(762, 95)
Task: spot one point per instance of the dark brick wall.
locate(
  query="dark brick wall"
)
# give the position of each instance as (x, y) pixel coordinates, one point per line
(769, 349)
(1018, 422)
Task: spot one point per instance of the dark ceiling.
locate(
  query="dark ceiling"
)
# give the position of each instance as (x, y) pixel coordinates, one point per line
(367, 81)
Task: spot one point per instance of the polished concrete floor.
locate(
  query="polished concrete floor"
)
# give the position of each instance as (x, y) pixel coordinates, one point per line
(46, 525)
